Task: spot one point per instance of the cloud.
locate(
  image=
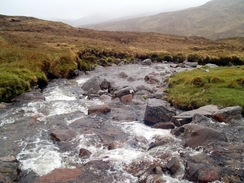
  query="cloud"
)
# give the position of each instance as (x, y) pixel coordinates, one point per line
(74, 9)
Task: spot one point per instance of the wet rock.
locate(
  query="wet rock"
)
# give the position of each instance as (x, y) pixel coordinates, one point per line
(126, 98)
(151, 78)
(122, 75)
(3, 105)
(211, 65)
(124, 91)
(174, 165)
(27, 177)
(191, 64)
(229, 114)
(143, 87)
(73, 73)
(9, 169)
(92, 86)
(159, 94)
(146, 62)
(164, 125)
(99, 109)
(105, 98)
(157, 111)
(197, 135)
(140, 167)
(30, 96)
(61, 176)
(105, 85)
(84, 153)
(160, 142)
(202, 173)
(152, 178)
(186, 117)
(115, 145)
(63, 135)
(130, 79)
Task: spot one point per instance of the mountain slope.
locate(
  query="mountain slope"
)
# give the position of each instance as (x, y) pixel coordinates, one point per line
(215, 19)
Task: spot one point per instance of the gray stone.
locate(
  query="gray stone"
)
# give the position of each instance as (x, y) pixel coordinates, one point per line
(147, 62)
(229, 114)
(186, 117)
(92, 86)
(157, 111)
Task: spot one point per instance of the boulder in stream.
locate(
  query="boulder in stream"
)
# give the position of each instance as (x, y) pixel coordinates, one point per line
(62, 135)
(99, 109)
(9, 169)
(228, 114)
(196, 135)
(157, 111)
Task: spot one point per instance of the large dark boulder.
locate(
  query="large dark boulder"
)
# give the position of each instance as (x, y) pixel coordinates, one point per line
(196, 135)
(157, 111)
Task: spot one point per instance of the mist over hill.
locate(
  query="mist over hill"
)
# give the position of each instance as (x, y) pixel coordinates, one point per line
(214, 20)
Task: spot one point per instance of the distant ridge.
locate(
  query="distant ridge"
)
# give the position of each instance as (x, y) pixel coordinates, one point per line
(214, 20)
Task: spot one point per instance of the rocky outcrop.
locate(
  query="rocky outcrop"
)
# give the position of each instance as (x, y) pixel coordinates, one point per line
(157, 111)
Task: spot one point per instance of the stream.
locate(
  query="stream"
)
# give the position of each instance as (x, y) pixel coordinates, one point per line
(116, 144)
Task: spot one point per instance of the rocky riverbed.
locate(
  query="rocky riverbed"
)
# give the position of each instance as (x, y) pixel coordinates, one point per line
(111, 125)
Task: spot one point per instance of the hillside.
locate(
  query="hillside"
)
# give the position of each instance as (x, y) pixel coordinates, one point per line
(214, 20)
(34, 51)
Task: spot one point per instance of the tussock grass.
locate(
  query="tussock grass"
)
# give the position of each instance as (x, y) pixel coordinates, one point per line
(223, 86)
(32, 51)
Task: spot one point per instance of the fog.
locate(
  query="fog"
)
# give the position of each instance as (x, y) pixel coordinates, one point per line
(95, 10)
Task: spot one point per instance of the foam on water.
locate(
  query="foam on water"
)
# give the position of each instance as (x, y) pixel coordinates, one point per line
(5, 121)
(59, 94)
(81, 81)
(40, 156)
(139, 129)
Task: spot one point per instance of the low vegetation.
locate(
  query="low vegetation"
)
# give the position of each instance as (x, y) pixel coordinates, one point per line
(32, 51)
(223, 86)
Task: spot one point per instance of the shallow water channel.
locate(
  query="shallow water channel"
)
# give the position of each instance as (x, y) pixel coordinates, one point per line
(25, 129)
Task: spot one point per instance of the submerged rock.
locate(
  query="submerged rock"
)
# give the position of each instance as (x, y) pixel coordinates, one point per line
(30, 96)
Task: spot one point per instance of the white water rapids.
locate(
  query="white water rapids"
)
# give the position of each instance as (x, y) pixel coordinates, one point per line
(40, 154)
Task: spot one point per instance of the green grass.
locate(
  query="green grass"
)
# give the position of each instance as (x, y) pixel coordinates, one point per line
(223, 86)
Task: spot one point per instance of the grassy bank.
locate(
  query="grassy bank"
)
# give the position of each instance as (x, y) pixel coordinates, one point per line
(32, 51)
(223, 86)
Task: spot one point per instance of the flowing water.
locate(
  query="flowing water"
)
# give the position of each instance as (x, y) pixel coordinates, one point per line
(25, 130)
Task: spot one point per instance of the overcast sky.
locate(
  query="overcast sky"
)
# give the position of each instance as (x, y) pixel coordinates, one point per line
(75, 9)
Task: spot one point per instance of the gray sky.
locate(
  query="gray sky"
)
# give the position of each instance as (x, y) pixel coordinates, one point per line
(75, 9)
